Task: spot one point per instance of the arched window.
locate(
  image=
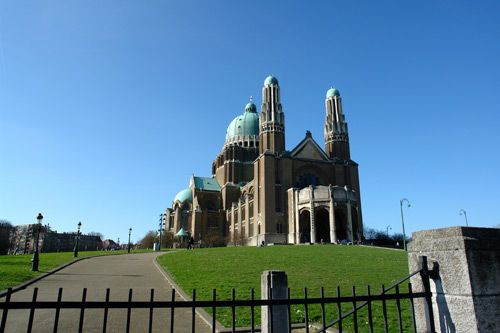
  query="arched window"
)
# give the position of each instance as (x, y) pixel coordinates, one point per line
(307, 179)
(210, 205)
(279, 227)
(185, 206)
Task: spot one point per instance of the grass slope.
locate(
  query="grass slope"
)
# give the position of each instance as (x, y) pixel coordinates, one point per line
(15, 270)
(306, 266)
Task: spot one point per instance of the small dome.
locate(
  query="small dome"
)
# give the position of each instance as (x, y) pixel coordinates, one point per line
(246, 124)
(250, 107)
(271, 80)
(332, 92)
(184, 195)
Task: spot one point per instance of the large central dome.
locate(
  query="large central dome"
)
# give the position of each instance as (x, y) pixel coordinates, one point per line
(245, 125)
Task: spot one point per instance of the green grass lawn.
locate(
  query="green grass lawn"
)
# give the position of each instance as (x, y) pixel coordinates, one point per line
(15, 270)
(306, 266)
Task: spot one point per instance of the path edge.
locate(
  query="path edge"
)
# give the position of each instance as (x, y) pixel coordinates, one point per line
(200, 311)
(25, 284)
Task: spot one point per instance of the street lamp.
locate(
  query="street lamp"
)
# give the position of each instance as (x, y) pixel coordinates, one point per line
(464, 213)
(129, 232)
(77, 238)
(159, 230)
(35, 260)
(402, 219)
(387, 230)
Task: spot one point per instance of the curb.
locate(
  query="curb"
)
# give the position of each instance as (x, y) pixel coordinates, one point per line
(39, 277)
(208, 318)
(381, 247)
(200, 311)
(25, 284)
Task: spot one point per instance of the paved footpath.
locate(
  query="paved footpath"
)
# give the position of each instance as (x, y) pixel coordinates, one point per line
(117, 272)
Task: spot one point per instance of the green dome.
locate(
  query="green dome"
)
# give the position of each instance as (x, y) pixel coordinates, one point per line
(250, 107)
(184, 195)
(332, 92)
(271, 80)
(245, 125)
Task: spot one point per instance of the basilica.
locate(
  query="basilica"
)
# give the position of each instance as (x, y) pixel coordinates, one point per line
(261, 193)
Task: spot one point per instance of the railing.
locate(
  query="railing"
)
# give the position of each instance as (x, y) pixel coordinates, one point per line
(383, 297)
(356, 301)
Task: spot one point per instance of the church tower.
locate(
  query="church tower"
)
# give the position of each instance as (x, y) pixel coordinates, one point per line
(272, 118)
(336, 133)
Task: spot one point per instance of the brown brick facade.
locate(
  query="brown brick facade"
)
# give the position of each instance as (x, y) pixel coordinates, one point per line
(260, 192)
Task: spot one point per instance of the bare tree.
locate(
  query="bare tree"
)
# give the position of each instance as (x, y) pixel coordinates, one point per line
(6, 229)
(167, 239)
(95, 233)
(214, 238)
(149, 239)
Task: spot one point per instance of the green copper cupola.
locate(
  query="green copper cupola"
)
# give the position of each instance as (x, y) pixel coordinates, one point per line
(245, 127)
(250, 107)
(332, 92)
(271, 80)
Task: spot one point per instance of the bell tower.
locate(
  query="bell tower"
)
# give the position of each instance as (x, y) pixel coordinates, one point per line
(336, 133)
(272, 118)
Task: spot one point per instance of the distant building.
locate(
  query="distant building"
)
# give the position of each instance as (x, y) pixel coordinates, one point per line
(23, 239)
(109, 244)
(261, 192)
(62, 242)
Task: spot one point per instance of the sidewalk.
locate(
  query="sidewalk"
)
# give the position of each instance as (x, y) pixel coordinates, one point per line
(119, 273)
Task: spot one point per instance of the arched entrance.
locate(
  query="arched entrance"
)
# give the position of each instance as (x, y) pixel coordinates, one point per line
(322, 224)
(340, 224)
(305, 227)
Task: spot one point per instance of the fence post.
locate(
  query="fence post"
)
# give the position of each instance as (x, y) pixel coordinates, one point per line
(463, 276)
(424, 275)
(277, 282)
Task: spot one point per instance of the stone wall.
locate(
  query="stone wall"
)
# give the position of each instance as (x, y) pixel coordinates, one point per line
(466, 290)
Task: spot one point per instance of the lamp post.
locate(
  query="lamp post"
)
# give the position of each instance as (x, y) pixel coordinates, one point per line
(403, 220)
(77, 238)
(387, 230)
(159, 230)
(129, 232)
(464, 213)
(35, 260)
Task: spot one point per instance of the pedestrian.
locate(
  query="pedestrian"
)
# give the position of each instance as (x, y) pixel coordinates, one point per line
(190, 243)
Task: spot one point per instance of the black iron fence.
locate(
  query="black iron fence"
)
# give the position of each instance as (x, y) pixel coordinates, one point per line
(353, 304)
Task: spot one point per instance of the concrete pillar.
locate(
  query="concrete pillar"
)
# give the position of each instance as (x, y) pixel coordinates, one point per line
(278, 281)
(297, 216)
(177, 219)
(194, 225)
(240, 222)
(349, 222)
(233, 224)
(247, 217)
(466, 288)
(311, 215)
(333, 235)
(360, 227)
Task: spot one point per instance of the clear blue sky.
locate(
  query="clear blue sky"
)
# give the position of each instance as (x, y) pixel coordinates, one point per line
(107, 108)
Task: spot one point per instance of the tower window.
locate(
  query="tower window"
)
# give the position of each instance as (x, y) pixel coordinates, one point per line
(278, 199)
(307, 179)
